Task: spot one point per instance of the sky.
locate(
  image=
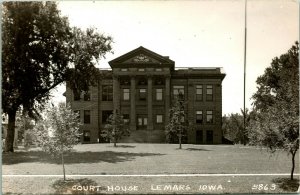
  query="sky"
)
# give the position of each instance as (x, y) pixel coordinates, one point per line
(202, 33)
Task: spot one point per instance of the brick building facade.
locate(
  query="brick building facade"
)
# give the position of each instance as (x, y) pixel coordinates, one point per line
(141, 84)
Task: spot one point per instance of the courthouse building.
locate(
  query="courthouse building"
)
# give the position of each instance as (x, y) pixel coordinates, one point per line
(141, 85)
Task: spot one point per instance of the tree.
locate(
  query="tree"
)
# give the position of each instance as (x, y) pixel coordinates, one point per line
(25, 124)
(233, 127)
(176, 126)
(115, 128)
(40, 51)
(276, 101)
(58, 131)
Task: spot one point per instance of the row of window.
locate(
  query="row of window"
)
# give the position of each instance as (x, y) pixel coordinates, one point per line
(177, 91)
(142, 81)
(142, 119)
(86, 96)
(143, 94)
(199, 116)
(141, 69)
(199, 135)
(209, 137)
(107, 93)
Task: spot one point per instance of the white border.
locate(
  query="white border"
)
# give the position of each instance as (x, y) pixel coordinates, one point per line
(163, 175)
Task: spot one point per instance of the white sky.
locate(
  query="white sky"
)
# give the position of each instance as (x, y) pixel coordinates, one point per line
(203, 33)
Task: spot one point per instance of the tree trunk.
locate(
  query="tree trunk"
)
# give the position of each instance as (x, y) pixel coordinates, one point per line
(63, 164)
(180, 141)
(293, 164)
(10, 134)
(115, 142)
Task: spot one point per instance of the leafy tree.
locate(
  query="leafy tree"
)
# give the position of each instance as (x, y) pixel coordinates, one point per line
(279, 81)
(40, 51)
(25, 124)
(115, 128)
(233, 127)
(176, 126)
(58, 131)
(276, 101)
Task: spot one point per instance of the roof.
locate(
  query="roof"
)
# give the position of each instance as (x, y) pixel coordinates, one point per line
(142, 57)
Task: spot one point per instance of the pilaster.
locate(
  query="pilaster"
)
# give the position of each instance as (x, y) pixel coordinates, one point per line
(150, 107)
(116, 93)
(132, 103)
(167, 99)
(190, 102)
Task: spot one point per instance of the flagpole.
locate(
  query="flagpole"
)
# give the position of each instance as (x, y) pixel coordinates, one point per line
(245, 55)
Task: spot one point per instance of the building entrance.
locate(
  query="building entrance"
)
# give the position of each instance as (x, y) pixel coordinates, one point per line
(142, 122)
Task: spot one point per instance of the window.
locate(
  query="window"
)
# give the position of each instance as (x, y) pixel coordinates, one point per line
(86, 136)
(159, 94)
(77, 112)
(159, 118)
(158, 69)
(209, 92)
(199, 92)
(124, 81)
(126, 94)
(3, 118)
(107, 93)
(178, 91)
(141, 69)
(105, 115)
(142, 121)
(142, 81)
(87, 96)
(199, 117)
(209, 116)
(124, 69)
(126, 118)
(142, 94)
(159, 81)
(87, 117)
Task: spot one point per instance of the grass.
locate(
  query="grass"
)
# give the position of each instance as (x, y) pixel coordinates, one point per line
(104, 159)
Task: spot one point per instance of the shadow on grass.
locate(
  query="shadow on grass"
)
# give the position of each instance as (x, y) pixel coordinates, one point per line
(193, 149)
(72, 157)
(121, 146)
(196, 149)
(77, 186)
(287, 184)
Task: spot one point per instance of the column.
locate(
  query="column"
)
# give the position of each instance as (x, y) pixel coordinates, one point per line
(116, 93)
(132, 104)
(191, 112)
(167, 99)
(99, 110)
(150, 108)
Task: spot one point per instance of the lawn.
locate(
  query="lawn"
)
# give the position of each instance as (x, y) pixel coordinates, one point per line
(95, 165)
